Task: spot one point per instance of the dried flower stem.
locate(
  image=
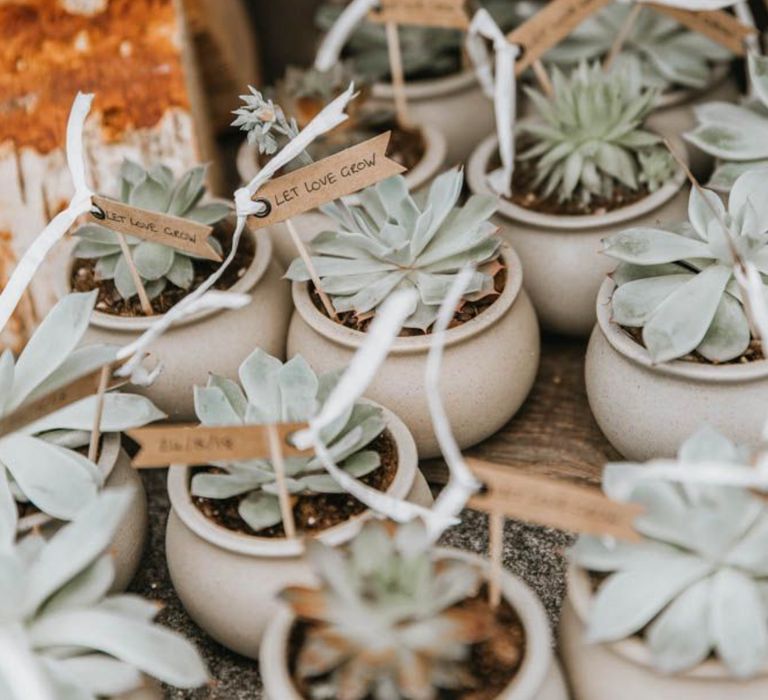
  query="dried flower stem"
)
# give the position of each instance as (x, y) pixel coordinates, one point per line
(496, 549)
(93, 447)
(621, 37)
(307, 258)
(398, 75)
(278, 464)
(146, 305)
(543, 77)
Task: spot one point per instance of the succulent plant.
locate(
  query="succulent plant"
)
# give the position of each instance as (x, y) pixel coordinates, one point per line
(42, 460)
(678, 284)
(697, 582)
(276, 392)
(735, 134)
(385, 622)
(83, 643)
(399, 244)
(156, 190)
(264, 122)
(589, 137)
(667, 54)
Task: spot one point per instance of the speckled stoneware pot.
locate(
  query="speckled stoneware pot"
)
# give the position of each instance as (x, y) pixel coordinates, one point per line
(647, 410)
(623, 669)
(228, 581)
(489, 363)
(539, 677)
(561, 255)
(128, 544)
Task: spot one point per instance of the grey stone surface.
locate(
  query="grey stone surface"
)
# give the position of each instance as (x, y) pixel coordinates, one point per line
(533, 553)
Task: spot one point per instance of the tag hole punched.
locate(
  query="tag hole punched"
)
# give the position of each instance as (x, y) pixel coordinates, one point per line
(98, 213)
(266, 208)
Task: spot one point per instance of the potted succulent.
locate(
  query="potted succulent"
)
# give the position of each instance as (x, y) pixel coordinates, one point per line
(212, 340)
(581, 174)
(51, 478)
(681, 613)
(422, 150)
(735, 134)
(63, 635)
(399, 244)
(394, 618)
(226, 539)
(685, 67)
(673, 331)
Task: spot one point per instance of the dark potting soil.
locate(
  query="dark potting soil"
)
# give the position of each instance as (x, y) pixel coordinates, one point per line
(311, 513)
(109, 300)
(490, 667)
(465, 312)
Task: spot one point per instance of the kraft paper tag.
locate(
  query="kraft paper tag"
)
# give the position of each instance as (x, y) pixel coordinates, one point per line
(200, 445)
(173, 231)
(343, 173)
(77, 389)
(450, 14)
(718, 25)
(553, 503)
(549, 26)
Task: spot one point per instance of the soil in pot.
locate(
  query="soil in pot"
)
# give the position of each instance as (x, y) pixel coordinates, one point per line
(491, 667)
(83, 278)
(312, 513)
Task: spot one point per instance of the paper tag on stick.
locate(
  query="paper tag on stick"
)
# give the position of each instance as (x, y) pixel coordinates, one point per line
(78, 389)
(162, 445)
(343, 173)
(450, 14)
(553, 503)
(182, 234)
(549, 26)
(718, 25)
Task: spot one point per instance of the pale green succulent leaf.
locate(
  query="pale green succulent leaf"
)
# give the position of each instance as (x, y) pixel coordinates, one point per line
(704, 208)
(182, 272)
(728, 336)
(634, 303)
(652, 246)
(124, 280)
(597, 554)
(150, 194)
(212, 407)
(260, 378)
(153, 260)
(95, 249)
(7, 366)
(97, 674)
(94, 233)
(80, 362)
(260, 510)
(751, 552)
(298, 389)
(105, 266)
(730, 141)
(206, 485)
(87, 587)
(210, 213)
(8, 512)
(188, 191)
(758, 74)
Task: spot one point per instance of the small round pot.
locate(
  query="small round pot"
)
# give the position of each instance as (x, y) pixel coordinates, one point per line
(647, 410)
(211, 341)
(310, 223)
(623, 669)
(115, 467)
(489, 363)
(561, 254)
(227, 581)
(539, 677)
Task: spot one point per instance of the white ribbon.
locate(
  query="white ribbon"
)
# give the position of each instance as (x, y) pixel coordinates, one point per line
(58, 226)
(502, 89)
(334, 41)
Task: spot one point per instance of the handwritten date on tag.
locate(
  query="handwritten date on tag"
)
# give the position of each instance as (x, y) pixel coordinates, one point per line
(173, 231)
(200, 445)
(450, 14)
(718, 25)
(343, 173)
(553, 503)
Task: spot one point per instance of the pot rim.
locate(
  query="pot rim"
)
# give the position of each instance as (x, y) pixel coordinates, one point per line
(679, 96)
(477, 168)
(435, 151)
(682, 369)
(527, 682)
(132, 324)
(251, 545)
(634, 649)
(430, 88)
(351, 338)
(108, 455)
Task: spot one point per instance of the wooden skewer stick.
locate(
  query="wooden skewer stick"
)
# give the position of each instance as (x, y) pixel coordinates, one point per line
(398, 75)
(621, 37)
(93, 447)
(305, 256)
(496, 548)
(146, 305)
(543, 77)
(278, 464)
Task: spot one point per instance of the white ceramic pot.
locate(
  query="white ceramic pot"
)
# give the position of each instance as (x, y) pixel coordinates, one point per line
(647, 410)
(227, 581)
(623, 669)
(539, 677)
(115, 467)
(561, 255)
(309, 224)
(210, 341)
(489, 363)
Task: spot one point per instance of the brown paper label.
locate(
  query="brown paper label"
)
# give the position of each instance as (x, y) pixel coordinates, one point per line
(182, 234)
(338, 175)
(162, 445)
(553, 503)
(549, 26)
(76, 390)
(718, 25)
(450, 14)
